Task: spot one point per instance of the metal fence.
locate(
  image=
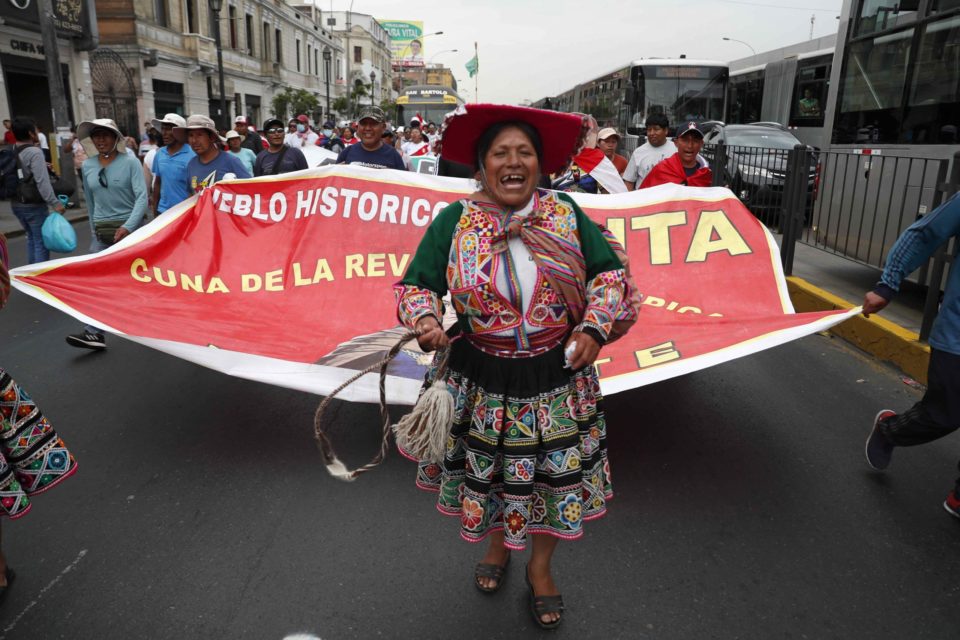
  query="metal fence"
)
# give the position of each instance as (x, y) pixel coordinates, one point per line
(853, 205)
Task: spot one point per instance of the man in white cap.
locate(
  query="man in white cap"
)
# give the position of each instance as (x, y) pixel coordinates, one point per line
(211, 164)
(607, 141)
(116, 200)
(235, 146)
(170, 165)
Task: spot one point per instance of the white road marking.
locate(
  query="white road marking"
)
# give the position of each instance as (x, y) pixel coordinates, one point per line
(70, 567)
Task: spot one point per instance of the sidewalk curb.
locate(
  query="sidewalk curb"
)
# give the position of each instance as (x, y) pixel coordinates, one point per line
(881, 338)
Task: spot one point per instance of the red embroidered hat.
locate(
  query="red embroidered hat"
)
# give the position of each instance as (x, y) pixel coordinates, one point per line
(558, 131)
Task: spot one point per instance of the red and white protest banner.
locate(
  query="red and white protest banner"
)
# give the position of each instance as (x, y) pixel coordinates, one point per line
(287, 279)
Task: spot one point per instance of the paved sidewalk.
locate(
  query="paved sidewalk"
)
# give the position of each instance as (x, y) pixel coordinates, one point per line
(10, 226)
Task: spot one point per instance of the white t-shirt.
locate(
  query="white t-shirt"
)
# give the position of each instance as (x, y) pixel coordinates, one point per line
(43, 140)
(645, 158)
(415, 148)
(299, 140)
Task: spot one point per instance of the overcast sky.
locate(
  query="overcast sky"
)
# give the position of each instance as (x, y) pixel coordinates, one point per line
(531, 49)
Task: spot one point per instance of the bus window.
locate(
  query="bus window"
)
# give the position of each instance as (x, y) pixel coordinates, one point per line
(872, 87)
(933, 109)
(880, 15)
(810, 93)
(745, 98)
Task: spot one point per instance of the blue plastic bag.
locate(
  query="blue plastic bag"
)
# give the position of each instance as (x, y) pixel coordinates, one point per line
(58, 235)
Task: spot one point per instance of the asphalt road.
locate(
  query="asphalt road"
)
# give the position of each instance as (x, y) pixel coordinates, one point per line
(744, 509)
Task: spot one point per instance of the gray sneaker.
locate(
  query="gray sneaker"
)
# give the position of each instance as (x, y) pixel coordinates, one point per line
(878, 449)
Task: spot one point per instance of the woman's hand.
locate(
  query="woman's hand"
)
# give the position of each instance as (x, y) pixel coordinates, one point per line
(432, 336)
(120, 234)
(586, 351)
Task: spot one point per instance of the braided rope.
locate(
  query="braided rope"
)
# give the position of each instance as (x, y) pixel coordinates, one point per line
(336, 468)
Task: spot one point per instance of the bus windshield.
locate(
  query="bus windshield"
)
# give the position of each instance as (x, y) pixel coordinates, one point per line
(680, 92)
(431, 103)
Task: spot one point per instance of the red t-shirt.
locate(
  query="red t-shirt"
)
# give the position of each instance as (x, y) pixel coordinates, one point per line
(8, 138)
(620, 163)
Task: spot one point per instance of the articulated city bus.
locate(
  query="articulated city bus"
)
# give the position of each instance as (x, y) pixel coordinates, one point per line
(790, 89)
(680, 88)
(431, 102)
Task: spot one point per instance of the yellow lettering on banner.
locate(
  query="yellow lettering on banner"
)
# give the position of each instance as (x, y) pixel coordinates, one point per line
(375, 265)
(191, 283)
(398, 268)
(250, 282)
(715, 233)
(659, 226)
(298, 279)
(217, 286)
(618, 227)
(653, 301)
(657, 354)
(136, 267)
(274, 280)
(171, 280)
(355, 265)
(320, 272)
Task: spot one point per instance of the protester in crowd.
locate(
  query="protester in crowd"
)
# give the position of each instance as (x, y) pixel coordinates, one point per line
(148, 159)
(348, 137)
(431, 130)
(686, 166)
(33, 458)
(247, 157)
(79, 155)
(169, 165)
(389, 137)
(279, 157)
(607, 141)
(590, 170)
(132, 146)
(249, 139)
(8, 137)
(657, 147)
(371, 151)
(416, 146)
(146, 132)
(540, 478)
(44, 147)
(33, 212)
(329, 138)
(211, 165)
(151, 141)
(937, 414)
(302, 135)
(116, 200)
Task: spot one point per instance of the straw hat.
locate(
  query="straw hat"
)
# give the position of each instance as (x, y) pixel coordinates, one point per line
(559, 132)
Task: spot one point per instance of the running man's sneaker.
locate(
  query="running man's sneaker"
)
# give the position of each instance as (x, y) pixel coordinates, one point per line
(879, 449)
(952, 504)
(87, 340)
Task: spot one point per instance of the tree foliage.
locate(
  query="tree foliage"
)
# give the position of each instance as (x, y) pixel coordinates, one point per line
(292, 102)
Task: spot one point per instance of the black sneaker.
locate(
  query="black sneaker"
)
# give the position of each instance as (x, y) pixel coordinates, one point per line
(87, 340)
(879, 450)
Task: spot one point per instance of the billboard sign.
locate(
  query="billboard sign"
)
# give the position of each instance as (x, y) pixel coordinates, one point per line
(406, 37)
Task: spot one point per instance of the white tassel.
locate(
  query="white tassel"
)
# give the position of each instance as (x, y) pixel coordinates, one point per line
(423, 432)
(339, 470)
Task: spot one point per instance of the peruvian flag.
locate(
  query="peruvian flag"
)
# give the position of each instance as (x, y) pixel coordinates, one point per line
(599, 166)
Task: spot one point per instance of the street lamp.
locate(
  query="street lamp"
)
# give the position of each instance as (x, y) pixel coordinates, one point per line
(215, 7)
(429, 62)
(743, 43)
(373, 77)
(327, 56)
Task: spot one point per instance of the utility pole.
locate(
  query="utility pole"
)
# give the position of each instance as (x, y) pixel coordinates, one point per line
(813, 18)
(51, 57)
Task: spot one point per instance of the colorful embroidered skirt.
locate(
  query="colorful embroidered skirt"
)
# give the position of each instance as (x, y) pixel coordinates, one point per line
(527, 450)
(33, 458)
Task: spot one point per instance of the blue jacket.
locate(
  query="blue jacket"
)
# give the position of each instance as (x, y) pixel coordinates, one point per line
(913, 249)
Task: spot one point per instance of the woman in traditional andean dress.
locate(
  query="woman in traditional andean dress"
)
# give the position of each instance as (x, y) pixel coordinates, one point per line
(530, 276)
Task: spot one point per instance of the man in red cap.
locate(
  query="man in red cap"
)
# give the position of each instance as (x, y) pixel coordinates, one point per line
(686, 166)
(303, 135)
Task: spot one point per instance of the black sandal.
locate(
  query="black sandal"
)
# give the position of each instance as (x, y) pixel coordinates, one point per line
(541, 605)
(491, 572)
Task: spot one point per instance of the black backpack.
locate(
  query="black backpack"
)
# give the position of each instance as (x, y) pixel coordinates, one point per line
(8, 174)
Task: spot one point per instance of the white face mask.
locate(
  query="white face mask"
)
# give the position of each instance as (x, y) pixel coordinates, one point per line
(301, 128)
(328, 132)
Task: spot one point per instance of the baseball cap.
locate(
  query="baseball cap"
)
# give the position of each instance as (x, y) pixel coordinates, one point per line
(328, 124)
(240, 120)
(302, 118)
(688, 127)
(606, 133)
(270, 122)
(372, 113)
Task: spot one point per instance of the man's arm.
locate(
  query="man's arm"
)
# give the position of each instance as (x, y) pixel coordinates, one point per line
(38, 169)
